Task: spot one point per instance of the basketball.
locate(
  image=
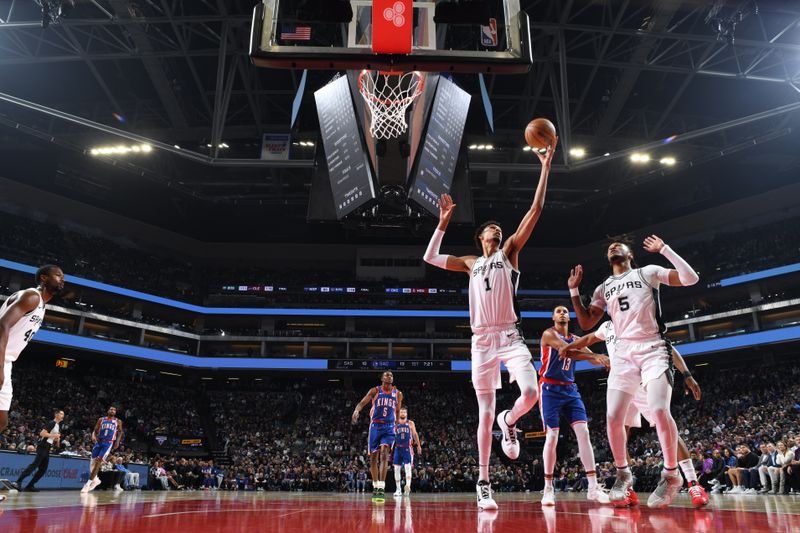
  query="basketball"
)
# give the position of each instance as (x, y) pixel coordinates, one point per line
(540, 133)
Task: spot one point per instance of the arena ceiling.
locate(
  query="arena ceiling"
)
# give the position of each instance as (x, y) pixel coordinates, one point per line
(714, 84)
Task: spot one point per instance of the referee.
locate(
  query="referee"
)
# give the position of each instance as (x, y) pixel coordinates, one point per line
(50, 435)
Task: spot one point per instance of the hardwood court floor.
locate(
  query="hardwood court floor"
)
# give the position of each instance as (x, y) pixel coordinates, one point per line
(184, 512)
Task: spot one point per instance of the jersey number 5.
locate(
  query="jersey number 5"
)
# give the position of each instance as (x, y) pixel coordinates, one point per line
(385, 412)
(623, 304)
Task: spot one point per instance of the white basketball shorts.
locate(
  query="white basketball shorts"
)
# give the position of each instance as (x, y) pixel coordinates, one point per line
(490, 347)
(636, 363)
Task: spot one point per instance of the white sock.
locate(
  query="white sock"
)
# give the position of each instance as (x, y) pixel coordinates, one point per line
(688, 470)
(592, 478)
(548, 483)
(380, 484)
(397, 476)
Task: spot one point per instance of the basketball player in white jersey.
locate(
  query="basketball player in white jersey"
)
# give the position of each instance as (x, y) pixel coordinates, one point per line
(493, 279)
(21, 316)
(639, 409)
(630, 295)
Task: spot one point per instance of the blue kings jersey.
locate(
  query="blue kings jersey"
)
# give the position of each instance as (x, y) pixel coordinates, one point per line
(108, 429)
(383, 406)
(555, 368)
(402, 434)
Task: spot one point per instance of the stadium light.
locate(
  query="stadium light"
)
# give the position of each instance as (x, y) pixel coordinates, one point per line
(577, 152)
(121, 149)
(637, 157)
(526, 149)
(667, 161)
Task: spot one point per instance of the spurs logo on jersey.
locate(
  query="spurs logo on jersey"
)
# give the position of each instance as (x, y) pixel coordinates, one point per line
(492, 292)
(26, 327)
(606, 333)
(632, 301)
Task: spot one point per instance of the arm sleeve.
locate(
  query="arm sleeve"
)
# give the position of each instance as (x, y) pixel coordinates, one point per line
(601, 331)
(432, 255)
(598, 299)
(655, 275)
(686, 273)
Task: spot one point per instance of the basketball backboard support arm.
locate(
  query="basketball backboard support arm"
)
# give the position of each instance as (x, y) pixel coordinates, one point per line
(513, 56)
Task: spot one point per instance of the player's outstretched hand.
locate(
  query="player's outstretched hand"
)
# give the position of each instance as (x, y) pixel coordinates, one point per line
(547, 157)
(446, 207)
(602, 360)
(575, 277)
(354, 419)
(691, 386)
(653, 244)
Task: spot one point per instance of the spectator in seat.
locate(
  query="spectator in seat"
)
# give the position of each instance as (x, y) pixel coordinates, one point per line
(746, 460)
(729, 458)
(130, 479)
(713, 468)
(766, 461)
(160, 475)
(783, 457)
(793, 468)
(361, 480)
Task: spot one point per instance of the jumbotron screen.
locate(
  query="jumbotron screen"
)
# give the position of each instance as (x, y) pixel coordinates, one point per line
(434, 172)
(350, 175)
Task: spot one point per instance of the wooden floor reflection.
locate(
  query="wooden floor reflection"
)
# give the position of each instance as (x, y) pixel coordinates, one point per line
(183, 512)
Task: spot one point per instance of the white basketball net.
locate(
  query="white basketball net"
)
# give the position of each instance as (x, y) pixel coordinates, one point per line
(388, 95)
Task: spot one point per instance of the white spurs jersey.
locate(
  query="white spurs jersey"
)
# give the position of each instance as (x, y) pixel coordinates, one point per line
(606, 334)
(492, 292)
(25, 328)
(632, 301)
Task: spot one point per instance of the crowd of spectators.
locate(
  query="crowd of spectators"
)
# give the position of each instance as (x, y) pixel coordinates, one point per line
(146, 408)
(308, 443)
(280, 434)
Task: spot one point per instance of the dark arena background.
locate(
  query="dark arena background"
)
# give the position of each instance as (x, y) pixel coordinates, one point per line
(240, 195)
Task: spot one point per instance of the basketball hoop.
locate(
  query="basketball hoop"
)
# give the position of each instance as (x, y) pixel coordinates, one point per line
(388, 95)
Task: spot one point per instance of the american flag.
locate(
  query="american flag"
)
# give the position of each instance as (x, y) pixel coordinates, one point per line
(296, 33)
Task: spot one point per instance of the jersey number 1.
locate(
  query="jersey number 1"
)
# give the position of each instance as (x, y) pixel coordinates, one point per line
(486, 281)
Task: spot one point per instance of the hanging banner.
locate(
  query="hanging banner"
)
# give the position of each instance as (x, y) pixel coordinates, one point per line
(275, 146)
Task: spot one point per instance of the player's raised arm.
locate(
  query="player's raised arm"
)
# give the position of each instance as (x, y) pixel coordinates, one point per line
(516, 241)
(26, 303)
(432, 255)
(364, 401)
(683, 275)
(587, 317)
